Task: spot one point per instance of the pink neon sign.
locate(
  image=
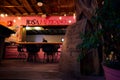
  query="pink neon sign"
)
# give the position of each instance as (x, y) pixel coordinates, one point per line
(54, 20)
(38, 20)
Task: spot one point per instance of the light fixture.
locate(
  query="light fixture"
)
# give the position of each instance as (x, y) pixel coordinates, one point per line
(14, 20)
(74, 16)
(6, 15)
(3, 15)
(19, 18)
(40, 4)
(60, 17)
(44, 16)
(38, 28)
(62, 39)
(70, 21)
(64, 14)
(28, 28)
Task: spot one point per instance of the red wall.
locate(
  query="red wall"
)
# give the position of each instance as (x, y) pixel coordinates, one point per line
(38, 20)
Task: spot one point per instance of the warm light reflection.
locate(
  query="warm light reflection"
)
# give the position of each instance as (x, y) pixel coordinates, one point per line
(12, 34)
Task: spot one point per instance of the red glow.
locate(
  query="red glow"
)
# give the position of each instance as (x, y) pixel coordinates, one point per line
(9, 23)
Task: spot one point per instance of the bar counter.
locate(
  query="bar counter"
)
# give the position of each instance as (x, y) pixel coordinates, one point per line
(60, 43)
(12, 51)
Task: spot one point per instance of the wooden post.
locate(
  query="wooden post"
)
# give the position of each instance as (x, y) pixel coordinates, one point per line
(4, 32)
(1, 47)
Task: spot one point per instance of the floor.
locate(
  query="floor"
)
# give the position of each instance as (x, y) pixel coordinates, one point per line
(22, 70)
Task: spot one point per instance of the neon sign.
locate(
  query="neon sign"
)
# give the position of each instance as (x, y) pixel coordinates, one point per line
(49, 21)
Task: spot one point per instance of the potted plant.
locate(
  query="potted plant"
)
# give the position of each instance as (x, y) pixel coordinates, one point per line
(106, 33)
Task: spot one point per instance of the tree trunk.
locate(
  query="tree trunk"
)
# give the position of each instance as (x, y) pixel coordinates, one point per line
(85, 9)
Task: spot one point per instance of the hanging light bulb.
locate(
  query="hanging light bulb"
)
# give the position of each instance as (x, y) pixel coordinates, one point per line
(2, 15)
(14, 20)
(19, 18)
(64, 14)
(70, 21)
(60, 17)
(6, 15)
(40, 4)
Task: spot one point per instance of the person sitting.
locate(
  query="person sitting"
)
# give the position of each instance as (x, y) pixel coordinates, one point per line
(44, 40)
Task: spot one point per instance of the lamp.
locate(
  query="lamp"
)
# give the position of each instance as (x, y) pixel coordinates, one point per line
(3, 15)
(40, 4)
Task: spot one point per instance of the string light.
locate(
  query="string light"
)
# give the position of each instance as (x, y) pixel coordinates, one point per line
(3, 15)
(44, 16)
(64, 14)
(74, 16)
(19, 18)
(6, 15)
(60, 17)
(14, 20)
(70, 21)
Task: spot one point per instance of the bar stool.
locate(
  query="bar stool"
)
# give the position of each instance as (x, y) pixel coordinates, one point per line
(49, 51)
(32, 50)
(21, 52)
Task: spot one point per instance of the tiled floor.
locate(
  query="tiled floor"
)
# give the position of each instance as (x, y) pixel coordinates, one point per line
(21, 70)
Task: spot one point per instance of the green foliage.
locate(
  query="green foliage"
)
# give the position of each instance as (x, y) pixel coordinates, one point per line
(90, 40)
(108, 16)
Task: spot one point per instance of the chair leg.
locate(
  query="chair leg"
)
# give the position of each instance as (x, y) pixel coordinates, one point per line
(47, 58)
(52, 58)
(44, 58)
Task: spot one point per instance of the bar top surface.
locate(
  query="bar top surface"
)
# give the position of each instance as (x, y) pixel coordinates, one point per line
(39, 42)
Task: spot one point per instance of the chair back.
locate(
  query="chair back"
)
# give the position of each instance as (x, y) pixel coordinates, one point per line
(32, 48)
(50, 48)
(20, 48)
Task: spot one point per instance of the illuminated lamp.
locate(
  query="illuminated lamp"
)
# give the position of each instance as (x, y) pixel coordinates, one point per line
(40, 4)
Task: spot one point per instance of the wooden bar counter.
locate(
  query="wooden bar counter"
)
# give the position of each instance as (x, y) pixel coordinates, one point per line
(24, 43)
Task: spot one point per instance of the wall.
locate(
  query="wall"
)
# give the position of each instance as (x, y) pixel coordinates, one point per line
(16, 23)
(49, 38)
